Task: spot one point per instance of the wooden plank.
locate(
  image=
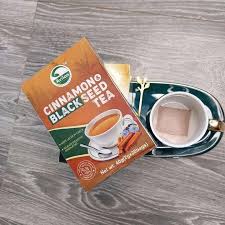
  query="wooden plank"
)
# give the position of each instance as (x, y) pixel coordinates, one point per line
(16, 19)
(164, 192)
(10, 79)
(213, 10)
(4, 147)
(19, 210)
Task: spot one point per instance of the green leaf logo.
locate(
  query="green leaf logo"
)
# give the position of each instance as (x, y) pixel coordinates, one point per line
(55, 74)
(60, 76)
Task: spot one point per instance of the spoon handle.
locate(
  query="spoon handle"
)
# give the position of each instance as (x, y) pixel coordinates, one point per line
(90, 147)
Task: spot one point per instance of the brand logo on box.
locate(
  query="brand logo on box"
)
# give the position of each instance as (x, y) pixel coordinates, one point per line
(60, 76)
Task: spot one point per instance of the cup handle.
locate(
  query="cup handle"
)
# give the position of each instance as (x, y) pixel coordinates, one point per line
(216, 125)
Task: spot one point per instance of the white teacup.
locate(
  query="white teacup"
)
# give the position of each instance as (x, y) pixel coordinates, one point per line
(198, 122)
(110, 137)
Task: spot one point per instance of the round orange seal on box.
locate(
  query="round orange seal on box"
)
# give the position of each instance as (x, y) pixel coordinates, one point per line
(86, 170)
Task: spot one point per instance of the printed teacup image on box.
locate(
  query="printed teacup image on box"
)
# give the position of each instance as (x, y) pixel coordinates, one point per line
(111, 134)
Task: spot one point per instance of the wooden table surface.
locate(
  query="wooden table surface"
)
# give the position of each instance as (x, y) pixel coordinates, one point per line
(173, 40)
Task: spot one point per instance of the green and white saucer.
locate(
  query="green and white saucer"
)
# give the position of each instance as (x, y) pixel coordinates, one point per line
(157, 90)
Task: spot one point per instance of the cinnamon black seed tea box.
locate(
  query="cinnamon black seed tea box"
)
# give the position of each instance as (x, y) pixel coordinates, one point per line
(89, 119)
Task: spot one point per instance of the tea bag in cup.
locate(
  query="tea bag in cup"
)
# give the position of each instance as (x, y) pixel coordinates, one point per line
(173, 121)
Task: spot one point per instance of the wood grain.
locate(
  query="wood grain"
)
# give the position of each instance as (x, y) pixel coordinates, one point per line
(201, 10)
(165, 40)
(16, 20)
(10, 77)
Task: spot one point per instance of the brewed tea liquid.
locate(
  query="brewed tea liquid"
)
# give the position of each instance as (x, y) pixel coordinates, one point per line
(104, 124)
